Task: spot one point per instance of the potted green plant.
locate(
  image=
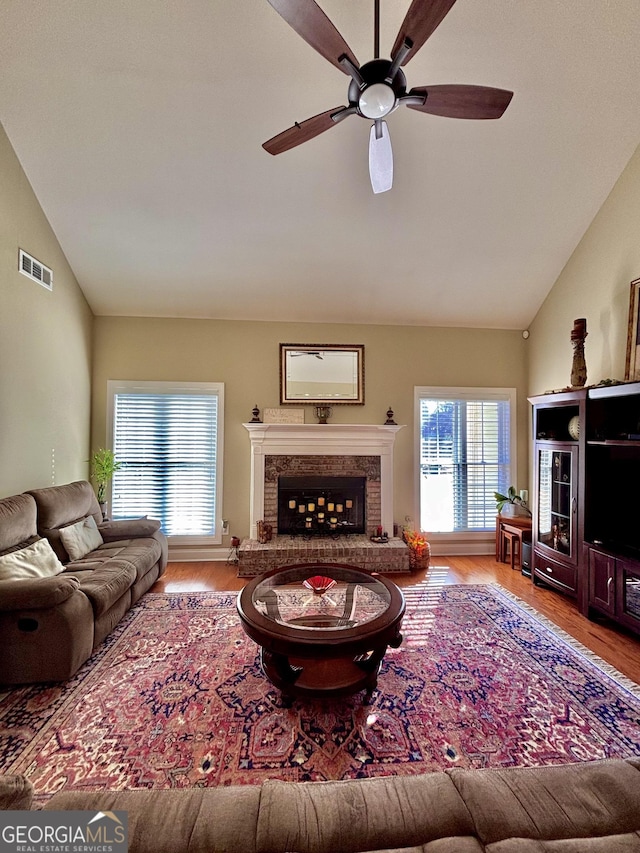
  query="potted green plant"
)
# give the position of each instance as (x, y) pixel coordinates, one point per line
(103, 467)
(511, 503)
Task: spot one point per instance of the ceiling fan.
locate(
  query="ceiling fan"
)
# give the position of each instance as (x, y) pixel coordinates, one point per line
(379, 87)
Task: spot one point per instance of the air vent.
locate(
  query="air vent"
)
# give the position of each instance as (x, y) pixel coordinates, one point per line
(35, 270)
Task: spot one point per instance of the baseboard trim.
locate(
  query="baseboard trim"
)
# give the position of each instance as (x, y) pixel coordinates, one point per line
(185, 554)
(462, 549)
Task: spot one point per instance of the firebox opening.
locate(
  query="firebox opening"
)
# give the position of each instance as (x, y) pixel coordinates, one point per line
(316, 505)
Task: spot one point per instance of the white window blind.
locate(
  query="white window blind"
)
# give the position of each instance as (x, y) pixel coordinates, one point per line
(465, 455)
(168, 441)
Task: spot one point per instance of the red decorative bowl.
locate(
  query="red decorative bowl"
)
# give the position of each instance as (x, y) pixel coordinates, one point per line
(319, 583)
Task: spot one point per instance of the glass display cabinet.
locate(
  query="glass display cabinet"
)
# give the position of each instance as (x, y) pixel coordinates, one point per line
(555, 522)
(557, 501)
(557, 510)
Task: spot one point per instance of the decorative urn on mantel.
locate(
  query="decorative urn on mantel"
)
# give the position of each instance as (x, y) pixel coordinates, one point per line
(579, 365)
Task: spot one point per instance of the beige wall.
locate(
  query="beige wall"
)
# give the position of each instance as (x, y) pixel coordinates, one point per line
(46, 351)
(244, 355)
(45, 348)
(594, 284)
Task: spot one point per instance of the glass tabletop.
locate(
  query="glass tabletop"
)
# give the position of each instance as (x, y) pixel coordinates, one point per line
(321, 598)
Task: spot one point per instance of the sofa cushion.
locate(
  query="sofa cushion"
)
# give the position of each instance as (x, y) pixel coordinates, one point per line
(628, 843)
(106, 585)
(385, 813)
(81, 538)
(21, 545)
(35, 561)
(59, 506)
(550, 803)
(141, 554)
(197, 820)
(17, 521)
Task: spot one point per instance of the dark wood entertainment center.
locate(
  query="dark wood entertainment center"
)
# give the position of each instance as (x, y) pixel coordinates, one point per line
(586, 507)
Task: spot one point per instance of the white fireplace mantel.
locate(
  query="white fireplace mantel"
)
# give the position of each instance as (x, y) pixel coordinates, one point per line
(321, 440)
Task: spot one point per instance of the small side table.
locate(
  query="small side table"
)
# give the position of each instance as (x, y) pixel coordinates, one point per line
(511, 531)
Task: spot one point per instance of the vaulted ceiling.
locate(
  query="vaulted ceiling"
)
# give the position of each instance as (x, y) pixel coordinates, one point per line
(140, 125)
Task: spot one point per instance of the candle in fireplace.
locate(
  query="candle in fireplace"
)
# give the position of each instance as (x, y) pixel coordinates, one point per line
(306, 496)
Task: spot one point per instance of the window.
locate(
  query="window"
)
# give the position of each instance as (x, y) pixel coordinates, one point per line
(168, 439)
(466, 443)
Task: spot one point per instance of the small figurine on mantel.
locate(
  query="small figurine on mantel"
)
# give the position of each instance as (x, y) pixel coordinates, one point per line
(256, 415)
(579, 367)
(390, 421)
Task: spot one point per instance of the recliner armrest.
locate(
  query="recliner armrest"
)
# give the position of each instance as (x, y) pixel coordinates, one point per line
(128, 528)
(16, 792)
(37, 593)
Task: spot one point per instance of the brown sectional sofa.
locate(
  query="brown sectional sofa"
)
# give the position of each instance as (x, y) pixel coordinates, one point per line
(592, 807)
(49, 626)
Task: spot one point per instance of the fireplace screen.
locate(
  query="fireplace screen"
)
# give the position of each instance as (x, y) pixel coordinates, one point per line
(312, 506)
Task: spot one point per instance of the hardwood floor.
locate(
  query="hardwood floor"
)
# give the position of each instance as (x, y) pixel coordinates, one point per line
(617, 647)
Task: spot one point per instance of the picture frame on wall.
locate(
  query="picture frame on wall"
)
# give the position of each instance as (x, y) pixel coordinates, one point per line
(632, 366)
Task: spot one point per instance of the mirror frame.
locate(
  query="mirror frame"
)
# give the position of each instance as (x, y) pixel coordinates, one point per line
(357, 400)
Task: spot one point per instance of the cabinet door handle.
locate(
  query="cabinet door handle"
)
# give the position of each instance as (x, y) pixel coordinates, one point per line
(609, 581)
(549, 570)
(574, 505)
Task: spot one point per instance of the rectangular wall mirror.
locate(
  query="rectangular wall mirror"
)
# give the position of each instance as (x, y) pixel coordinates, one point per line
(322, 373)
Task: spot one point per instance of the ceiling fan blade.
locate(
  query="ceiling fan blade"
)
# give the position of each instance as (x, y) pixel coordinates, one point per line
(419, 23)
(380, 158)
(460, 101)
(311, 23)
(302, 132)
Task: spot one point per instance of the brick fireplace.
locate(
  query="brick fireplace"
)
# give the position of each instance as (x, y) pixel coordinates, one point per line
(340, 450)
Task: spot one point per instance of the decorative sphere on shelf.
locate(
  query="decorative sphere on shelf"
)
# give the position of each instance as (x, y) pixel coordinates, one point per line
(574, 427)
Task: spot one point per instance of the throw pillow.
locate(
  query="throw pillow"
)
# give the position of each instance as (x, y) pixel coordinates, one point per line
(81, 538)
(35, 561)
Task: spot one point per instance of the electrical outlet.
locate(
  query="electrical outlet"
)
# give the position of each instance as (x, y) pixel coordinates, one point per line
(225, 526)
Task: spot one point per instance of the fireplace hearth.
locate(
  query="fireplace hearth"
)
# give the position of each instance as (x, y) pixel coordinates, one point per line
(321, 505)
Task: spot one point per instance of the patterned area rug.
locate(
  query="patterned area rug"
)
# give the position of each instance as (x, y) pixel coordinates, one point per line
(176, 698)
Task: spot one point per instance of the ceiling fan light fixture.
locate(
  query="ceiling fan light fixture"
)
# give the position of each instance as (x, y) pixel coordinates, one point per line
(377, 101)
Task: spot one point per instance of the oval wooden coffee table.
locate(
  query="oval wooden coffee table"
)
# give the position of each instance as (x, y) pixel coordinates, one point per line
(323, 628)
